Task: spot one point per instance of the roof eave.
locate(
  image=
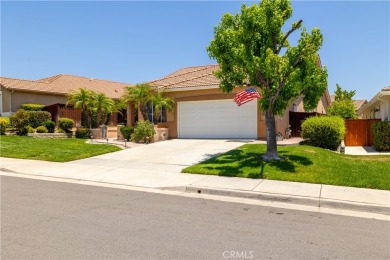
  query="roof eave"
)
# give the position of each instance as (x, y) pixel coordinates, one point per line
(189, 88)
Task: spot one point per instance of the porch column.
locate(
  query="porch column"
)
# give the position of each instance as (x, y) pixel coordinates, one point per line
(130, 114)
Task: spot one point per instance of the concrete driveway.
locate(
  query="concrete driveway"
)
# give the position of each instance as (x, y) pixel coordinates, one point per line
(167, 156)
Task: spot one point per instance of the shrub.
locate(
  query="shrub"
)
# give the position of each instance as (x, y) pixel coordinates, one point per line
(36, 118)
(19, 120)
(33, 107)
(381, 134)
(4, 123)
(127, 131)
(324, 131)
(83, 133)
(142, 131)
(65, 124)
(50, 125)
(26, 130)
(344, 109)
(41, 129)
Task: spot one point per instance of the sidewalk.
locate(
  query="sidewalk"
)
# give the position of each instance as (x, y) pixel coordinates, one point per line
(317, 195)
(363, 150)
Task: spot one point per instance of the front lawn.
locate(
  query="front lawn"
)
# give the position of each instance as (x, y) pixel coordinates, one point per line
(300, 164)
(54, 150)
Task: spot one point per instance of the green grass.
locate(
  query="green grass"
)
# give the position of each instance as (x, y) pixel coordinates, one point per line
(300, 164)
(54, 150)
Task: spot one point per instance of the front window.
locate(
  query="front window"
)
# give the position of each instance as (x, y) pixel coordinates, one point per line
(150, 111)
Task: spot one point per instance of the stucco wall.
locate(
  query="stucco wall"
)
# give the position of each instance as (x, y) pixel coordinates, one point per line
(17, 98)
(214, 94)
(207, 94)
(378, 110)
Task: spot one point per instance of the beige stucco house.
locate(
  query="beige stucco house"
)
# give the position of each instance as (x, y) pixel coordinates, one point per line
(378, 107)
(203, 111)
(51, 90)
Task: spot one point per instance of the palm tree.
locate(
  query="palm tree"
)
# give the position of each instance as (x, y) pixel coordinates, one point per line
(159, 101)
(81, 99)
(103, 106)
(141, 94)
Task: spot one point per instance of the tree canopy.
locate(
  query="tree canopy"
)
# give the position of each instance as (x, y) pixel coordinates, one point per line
(343, 105)
(141, 95)
(251, 48)
(341, 94)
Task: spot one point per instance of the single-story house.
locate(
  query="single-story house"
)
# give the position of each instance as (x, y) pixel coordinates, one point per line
(51, 90)
(203, 111)
(378, 107)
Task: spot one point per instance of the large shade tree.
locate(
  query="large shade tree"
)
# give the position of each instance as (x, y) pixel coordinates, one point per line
(250, 47)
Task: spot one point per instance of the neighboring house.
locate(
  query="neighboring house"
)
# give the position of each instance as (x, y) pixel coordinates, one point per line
(203, 111)
(357, 103)
(378, 107)
(51, 90)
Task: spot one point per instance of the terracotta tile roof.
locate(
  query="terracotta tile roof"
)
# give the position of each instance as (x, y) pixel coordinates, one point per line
(63, 84)
(359, 103)
(189, 77)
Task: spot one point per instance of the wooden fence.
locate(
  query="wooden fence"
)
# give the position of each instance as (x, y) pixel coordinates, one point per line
(296, 119)
(60, 110)
(71, 113)
(359, 132)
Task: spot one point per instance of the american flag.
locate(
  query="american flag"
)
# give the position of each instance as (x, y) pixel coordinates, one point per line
(245, 96)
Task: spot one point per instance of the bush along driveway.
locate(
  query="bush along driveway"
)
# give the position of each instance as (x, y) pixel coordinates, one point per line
(300, 164)
(54, 150)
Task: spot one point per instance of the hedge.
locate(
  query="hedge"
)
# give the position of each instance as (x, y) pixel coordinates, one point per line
(4, 123)
(50, 125)
(381, 134)
(324, 131)
(24, 118)
(37, 118)
(32, 107)
(143, 132)
(65, 124)
(26, 130)
(127, 131)
(83, 133)
(41, 129)
(20, 119)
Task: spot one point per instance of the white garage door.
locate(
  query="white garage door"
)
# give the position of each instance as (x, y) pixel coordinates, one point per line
(217, 119)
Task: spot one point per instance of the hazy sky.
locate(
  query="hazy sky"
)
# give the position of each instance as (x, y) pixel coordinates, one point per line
(132, 42)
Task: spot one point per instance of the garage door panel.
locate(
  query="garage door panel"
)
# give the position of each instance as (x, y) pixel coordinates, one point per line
(217, 119)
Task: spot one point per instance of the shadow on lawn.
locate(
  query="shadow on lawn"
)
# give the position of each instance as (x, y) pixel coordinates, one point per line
(251, 165)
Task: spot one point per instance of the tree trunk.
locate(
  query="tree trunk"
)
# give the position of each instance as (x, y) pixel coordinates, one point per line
(144, 112)
(87, 119)
(272, 153)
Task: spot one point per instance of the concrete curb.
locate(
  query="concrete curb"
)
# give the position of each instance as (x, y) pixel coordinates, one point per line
(300, 200)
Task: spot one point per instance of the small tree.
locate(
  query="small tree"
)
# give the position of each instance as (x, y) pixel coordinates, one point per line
(159, 101)
(341, 95)
(81, 99)
(251, 46)
(141, 95)
(343, 105)
(344, 109)
(102, 106)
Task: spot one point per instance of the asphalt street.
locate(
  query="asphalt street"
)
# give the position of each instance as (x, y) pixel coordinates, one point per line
(54, 220)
